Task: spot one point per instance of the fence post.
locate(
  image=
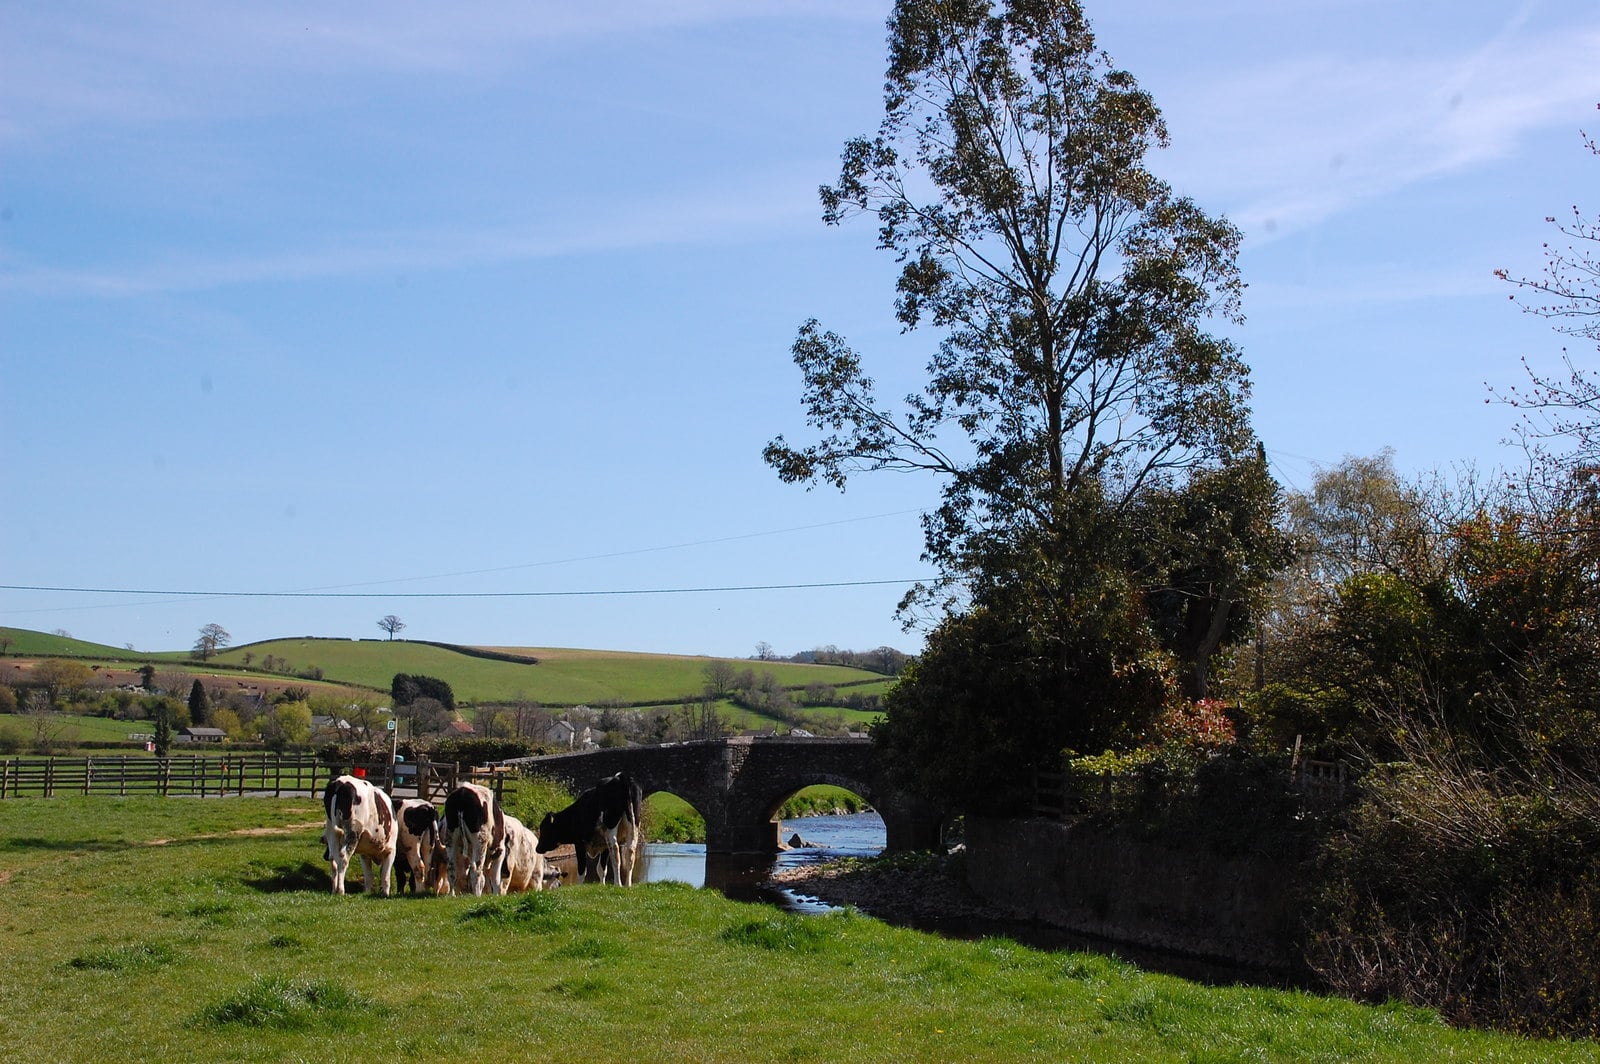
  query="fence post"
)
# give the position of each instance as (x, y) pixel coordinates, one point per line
(50, 777)
(88, 773)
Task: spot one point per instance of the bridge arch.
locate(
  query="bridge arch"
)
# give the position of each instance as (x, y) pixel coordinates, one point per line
(739, 784)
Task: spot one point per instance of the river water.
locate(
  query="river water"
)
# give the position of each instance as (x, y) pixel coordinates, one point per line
(862, 835)
(743, 878)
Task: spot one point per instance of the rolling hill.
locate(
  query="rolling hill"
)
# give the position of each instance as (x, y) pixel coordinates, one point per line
(560, 677)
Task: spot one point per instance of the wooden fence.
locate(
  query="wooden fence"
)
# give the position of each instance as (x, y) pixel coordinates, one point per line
(224, 774)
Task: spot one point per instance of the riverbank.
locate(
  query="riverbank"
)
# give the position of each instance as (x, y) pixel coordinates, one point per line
(908, 889)
(929, 892)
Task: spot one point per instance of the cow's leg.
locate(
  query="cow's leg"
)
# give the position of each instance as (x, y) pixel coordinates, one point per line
(495, 880)
(333, 849)
(475, 856)
(458, 862)
(538, 871)
(386, 872)
(613, 858)
(630, 851)
(367, 885)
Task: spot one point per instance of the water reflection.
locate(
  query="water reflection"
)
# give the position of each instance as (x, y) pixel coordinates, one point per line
(743, 878)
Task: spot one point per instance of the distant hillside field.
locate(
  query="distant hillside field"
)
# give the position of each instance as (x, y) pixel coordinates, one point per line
(562, 677)
(25, 643)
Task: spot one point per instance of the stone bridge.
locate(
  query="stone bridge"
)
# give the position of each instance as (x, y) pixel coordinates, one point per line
(738, 784)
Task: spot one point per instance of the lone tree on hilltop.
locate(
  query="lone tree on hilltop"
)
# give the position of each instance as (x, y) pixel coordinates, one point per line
(213, 637)
(391, 624)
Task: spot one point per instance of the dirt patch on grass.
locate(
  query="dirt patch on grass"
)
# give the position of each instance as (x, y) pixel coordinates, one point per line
(289, 830)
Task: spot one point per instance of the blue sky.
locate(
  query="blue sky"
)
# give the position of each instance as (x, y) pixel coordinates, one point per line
(405, 299)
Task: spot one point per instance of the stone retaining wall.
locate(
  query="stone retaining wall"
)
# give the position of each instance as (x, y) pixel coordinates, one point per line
(1235, 909)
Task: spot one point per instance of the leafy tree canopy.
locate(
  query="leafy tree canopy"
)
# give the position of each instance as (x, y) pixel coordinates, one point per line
(1076, 376)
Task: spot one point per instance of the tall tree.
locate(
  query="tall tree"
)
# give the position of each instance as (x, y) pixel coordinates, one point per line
(1073, 290)
(391, 624)
(199, 705)
(213, 637)
(163, 730)
(1072, 286)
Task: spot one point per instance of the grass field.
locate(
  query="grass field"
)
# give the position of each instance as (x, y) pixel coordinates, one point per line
(71, 728)
(24, 642)
(562, 676)
(158, 930)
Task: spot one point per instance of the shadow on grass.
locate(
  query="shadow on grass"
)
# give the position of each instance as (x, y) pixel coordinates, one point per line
(290, 876)
(27, 844)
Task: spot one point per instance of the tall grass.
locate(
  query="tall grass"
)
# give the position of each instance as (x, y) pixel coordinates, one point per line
(157, 930)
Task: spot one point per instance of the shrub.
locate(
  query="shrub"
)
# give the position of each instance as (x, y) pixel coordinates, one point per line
(529, 798)
(1468, 892)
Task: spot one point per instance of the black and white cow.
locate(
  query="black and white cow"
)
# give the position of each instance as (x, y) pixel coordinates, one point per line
(602, 826)
(476, 826)
(522, 866)
(361, 822)
(423, 861)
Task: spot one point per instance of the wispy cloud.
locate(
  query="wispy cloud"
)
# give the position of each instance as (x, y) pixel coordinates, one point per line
(69, 63)
(1294, 143)
(761, 210)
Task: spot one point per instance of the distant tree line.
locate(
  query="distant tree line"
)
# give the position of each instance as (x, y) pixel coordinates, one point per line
(886, 660)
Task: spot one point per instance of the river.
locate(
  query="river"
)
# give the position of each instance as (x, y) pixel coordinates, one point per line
(744, 878)
(862, 835)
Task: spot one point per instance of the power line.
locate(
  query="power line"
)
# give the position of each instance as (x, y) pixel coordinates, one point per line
(621, 553)
(456, 594)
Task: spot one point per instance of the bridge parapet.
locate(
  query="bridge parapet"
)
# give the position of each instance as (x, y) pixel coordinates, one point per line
(738, 784)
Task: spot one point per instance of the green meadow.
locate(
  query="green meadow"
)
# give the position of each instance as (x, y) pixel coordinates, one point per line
(561, 677)
(160, 930)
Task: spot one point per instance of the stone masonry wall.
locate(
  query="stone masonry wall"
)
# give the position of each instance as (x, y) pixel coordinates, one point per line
(1236, 909)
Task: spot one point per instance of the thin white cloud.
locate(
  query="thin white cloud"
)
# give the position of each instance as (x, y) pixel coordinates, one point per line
(1297, 142)
(759, 210)
(70, 63)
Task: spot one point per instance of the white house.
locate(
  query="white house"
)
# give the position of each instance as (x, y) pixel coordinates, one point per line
(571, 736)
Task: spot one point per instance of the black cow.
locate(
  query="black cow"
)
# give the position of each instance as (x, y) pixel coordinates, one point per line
(602, 826)
(423, 863)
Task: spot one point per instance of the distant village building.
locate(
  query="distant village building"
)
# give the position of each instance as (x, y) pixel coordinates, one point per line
(571, 736)
(324, 726)
(201, 735)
